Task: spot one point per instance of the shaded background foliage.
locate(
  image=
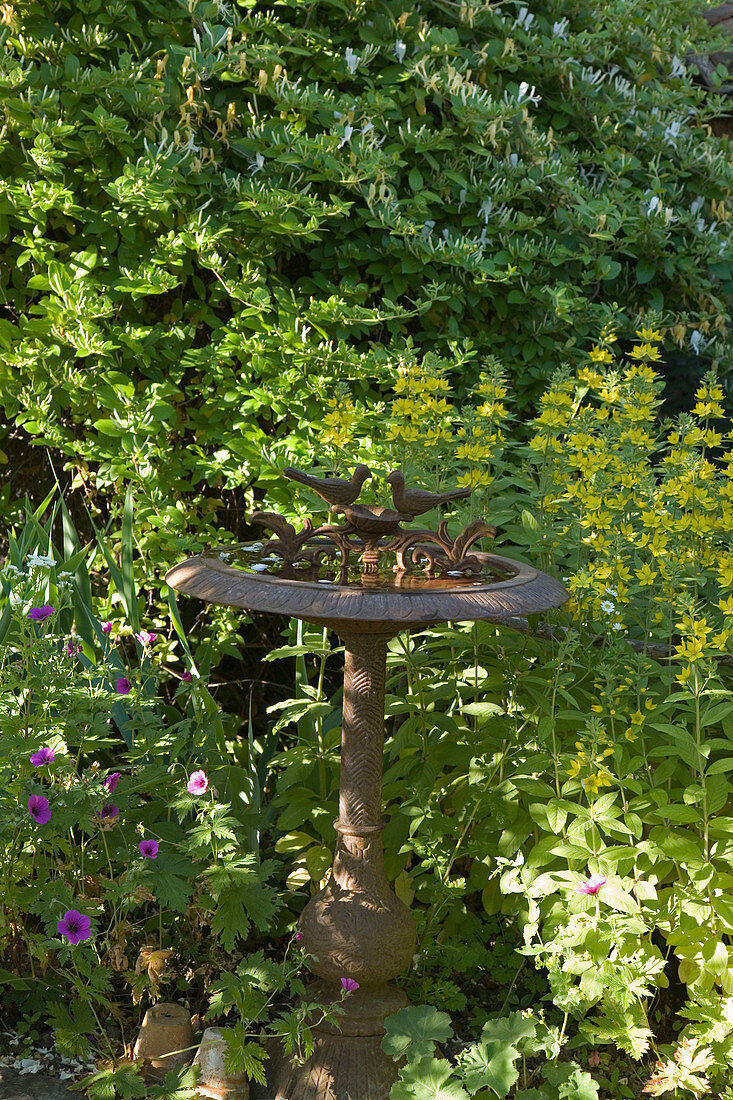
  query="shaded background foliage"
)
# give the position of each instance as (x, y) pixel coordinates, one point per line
(216, 215)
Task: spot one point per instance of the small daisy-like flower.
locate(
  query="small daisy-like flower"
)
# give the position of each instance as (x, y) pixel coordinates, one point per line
(349, 985)
(591, 885)
(40, 614)
(111, 782)
(607, 606)
(148, 848)
(43, 756)
(198, 782)
(39, 809)
(123, 686)
(74, 926)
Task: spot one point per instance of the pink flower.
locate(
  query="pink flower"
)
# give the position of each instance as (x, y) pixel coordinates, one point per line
(43, 756)
(39, 809)
(349, 985)
(186, 677)
(198, 783)
(123, 686)
(72, 649)
(298, 937)
(145, 637)
(149, 848)
(592, 885)
(106, 628)
(75, 926)
(111, 782)
(108, 812)
(40, 614)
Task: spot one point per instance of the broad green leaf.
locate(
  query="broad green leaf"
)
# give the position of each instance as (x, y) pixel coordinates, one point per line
(414, 1031)
(489, 1065)
(427, 1079)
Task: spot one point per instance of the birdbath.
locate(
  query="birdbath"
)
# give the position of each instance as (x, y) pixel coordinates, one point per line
(368, 579)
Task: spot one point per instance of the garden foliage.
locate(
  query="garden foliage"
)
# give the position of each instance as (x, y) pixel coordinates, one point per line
(215, 213)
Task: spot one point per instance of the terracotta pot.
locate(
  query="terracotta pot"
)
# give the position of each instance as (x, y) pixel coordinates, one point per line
(214, 1081)
(164, 1037)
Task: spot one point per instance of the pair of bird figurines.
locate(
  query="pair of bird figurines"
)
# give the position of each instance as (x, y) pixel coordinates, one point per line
(340, 492)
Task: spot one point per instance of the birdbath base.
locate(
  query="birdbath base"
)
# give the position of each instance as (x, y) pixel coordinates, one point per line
(348, 1062)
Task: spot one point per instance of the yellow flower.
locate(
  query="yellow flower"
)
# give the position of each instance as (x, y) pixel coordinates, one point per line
(649, 334)
(600, 355)
(646, 574)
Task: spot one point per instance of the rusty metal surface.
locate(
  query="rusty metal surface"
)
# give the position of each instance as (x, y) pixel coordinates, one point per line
(528, 591)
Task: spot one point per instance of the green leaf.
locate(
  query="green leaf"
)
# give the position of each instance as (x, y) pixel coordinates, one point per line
(489, 1065)
(414, 1031)
(427, 1079)
(179, 1084)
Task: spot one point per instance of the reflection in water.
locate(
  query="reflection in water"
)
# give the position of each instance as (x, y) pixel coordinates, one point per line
(327, 570)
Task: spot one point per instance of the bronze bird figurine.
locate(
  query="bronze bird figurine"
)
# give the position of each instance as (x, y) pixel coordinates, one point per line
(413, 502)
(336, 491)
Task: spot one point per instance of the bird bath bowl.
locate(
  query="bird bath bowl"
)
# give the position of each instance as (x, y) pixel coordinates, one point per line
(367, 589)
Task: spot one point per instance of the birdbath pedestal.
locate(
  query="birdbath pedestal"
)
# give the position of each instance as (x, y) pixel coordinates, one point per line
(356, 927)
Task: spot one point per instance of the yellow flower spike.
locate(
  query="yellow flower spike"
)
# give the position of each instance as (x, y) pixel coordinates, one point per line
(600, 355)
(649, 334)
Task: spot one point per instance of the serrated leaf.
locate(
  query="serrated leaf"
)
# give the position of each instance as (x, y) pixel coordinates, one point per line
(414, 1031)
(490, 1065)
(427, 1079)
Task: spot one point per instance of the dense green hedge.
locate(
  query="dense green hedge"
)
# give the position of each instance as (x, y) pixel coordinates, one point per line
(216, 217)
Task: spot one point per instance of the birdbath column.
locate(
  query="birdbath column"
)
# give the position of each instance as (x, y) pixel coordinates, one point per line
(355, 927)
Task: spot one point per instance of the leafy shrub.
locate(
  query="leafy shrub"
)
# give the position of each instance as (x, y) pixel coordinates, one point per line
(215, 214)
(108, 821)
(573, 775)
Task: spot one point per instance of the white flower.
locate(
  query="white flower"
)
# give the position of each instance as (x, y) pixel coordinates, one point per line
(40, 559)
(608, 607)
(352, 59)
(527, 94)
(348, 131)
(654, 203)
(672, 133)
(367, 127)
(560, 28)
(524, 19)
(513, 159)
(485, 209)
(64, 576)
(15, 599)
(259, 163)
(678, 67)
(611, 592)
(400, 49)
(13, 569)
(697, 205)
(617, 626)
(696, 341)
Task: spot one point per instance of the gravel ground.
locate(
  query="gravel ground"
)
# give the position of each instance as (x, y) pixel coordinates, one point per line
(39, 1072)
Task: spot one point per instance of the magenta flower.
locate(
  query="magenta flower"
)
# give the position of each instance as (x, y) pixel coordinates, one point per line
(349, 985)
(198, 783)
(72, 649)
(145, 637)
(111, 782)
(106, 628)
(123, 686)
(75, 926)
(148, 848)
(186, 677)
(40, 614)
(591, 885)
(298, 937)
(108, 812)
(39, 809)
(43, 756)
